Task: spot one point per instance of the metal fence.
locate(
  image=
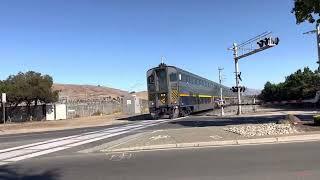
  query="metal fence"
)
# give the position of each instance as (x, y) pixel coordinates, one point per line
(83, 109)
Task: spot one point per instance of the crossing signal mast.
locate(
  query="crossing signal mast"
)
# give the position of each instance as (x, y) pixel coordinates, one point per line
(254, 45)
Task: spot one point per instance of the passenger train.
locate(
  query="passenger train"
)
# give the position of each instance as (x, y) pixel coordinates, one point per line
(176, 92)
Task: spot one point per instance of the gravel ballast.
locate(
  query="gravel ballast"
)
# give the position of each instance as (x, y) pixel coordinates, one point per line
(262, 129)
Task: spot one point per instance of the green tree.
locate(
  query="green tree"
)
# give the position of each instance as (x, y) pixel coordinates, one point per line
(306, 10)
(30, 88)
(302, 84)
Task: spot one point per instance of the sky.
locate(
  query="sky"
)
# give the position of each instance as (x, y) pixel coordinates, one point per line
(114, 42)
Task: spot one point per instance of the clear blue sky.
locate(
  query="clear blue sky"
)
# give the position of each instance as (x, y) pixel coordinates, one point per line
(114, 42)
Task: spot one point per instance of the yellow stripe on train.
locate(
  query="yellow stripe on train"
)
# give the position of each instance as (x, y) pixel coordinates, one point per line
(203, 96)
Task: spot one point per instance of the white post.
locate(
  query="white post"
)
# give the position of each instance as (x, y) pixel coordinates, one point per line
(254, 104)
(221, 97)
(235, 49)
(4, 100)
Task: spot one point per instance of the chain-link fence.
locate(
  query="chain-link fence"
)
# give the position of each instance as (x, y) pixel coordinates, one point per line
(83, 109)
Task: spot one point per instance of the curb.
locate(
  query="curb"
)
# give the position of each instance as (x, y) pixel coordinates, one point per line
(273, 140)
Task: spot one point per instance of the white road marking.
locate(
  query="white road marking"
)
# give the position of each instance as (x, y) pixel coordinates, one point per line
(215, 137)
(120, 157)
(34, 144)
(159, 137)
(16, 153)
(23, 152)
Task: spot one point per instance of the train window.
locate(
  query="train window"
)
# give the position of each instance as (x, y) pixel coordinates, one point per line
(151, 79)
(173, 77)
(183, 78)
(162, 74)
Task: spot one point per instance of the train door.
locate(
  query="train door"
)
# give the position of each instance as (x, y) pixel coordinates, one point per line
(161, 86)
(197, 102)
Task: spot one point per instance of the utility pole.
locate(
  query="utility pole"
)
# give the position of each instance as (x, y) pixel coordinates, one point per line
(236, 66)
(221, 97)
(317, 32)
(318, 45)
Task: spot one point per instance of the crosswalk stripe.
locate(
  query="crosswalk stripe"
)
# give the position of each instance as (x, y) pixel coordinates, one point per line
(45, 147)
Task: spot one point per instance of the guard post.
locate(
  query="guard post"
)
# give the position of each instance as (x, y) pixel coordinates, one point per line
(3, 101)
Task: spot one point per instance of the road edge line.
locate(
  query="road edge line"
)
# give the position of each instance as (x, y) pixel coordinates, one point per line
(239, 142)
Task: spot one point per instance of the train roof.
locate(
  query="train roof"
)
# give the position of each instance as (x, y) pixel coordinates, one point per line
(187, 72)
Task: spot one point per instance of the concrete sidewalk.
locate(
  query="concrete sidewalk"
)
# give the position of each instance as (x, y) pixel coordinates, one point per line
(200, 137)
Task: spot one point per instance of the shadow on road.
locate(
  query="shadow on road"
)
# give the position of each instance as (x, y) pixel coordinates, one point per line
(206, 122)
(13, 173)
(141, 117)
(305, 117)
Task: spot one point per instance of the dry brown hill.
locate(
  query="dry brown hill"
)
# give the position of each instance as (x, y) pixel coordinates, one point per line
(142, 94)
(85, 92)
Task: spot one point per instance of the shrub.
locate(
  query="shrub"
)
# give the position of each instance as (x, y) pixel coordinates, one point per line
(316, 119)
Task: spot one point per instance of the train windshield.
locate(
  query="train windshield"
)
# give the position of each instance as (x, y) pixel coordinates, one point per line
(161, 79)
(151, 79)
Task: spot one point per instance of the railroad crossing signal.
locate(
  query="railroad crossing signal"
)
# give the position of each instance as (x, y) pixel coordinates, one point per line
(264, 41)
(268, 42)
(247, 48)
(239, 76)
(235, 89)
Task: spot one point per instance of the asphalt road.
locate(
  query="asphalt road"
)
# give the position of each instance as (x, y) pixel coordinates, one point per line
(281, 161)
(8, 141)
(19, 147)
(12, 140)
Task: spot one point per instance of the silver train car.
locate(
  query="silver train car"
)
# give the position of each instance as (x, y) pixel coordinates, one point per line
(175, 92)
